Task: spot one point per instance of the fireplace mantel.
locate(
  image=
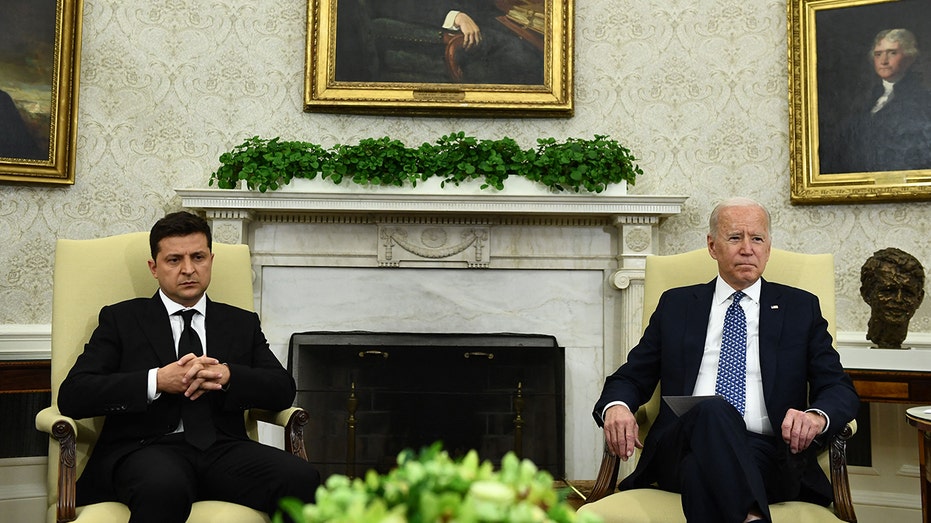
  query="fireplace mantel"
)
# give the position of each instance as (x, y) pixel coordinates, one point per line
(570, 266)
(637, 217)
(555, 205)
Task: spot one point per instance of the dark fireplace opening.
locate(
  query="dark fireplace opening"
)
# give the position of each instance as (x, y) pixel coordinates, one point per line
(371, 395)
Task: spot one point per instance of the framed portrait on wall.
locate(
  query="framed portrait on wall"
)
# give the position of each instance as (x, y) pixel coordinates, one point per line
(39, 56)
(859, 100)
(439, 57)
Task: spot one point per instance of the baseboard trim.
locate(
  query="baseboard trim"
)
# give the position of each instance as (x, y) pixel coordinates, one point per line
(25, 342)
(885, 499)
(23, 478)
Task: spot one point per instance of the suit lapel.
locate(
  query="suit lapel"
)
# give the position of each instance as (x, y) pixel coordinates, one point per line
(696, 330)
(771, 317)
(156, 327)
(214, 325)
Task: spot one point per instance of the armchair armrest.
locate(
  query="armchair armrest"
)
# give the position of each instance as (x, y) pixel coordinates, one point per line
(606, 482)
(65, 430)
(293, 420)
(843, 502)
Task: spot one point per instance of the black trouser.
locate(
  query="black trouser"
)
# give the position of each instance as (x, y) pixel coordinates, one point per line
(160, 482)
(721, 469)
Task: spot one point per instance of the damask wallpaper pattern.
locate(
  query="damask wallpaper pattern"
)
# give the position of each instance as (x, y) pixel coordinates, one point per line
(696, 88)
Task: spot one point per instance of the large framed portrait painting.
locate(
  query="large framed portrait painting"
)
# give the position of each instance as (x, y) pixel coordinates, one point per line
(860, 100)
(439, 57)
(39, 55)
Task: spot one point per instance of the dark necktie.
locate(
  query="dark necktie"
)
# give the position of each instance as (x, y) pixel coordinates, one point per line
(198, 422)
(731, 382)
(190, 341)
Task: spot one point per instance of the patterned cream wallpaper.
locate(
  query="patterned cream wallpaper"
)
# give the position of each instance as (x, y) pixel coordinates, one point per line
(696, 88)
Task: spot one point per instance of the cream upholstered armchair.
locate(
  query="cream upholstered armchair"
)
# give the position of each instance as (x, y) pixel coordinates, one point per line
(88, 275)
(812, 272)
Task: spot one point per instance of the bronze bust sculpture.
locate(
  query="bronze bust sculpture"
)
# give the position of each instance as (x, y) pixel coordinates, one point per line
(892, 282)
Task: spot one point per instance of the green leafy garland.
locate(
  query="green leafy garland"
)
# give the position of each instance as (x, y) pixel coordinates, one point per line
(431, 487)
(571, 165)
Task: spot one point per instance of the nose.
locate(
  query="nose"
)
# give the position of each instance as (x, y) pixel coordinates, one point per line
(187, 266)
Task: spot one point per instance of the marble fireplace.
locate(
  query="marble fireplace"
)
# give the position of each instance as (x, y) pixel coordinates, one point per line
(568, 266)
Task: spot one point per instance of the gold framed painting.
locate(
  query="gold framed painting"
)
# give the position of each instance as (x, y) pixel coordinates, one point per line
(446, 57)
(39, 57)
(859, 101)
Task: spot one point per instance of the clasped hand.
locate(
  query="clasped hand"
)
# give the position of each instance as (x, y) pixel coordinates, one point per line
(193, 376)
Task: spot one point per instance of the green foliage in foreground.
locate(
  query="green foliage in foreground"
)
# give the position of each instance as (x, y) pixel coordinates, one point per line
(572, 165)
(431, 487)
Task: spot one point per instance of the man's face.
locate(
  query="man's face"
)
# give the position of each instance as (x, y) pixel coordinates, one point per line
(182, 267)
(889, 60)
(896, 296)
(741, 245)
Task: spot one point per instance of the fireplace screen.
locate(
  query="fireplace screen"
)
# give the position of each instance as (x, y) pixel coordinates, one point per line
(371, 395)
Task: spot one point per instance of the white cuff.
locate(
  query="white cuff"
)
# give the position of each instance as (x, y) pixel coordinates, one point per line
(827, 419)
(609, 405)
(152, 386)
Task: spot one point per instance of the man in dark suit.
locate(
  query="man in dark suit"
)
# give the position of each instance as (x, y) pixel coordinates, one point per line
(174, 430)
(730, 458)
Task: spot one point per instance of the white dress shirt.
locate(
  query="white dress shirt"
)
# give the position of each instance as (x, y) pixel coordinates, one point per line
(198, 323)
(755, 416)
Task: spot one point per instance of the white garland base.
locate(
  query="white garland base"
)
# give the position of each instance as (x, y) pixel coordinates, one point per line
(513, 186)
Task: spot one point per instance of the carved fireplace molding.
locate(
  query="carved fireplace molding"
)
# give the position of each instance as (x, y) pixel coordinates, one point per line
(636, 217)
(451, 230)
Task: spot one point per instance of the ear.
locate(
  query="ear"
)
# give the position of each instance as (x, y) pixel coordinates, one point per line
(152, 268)
(710, 240)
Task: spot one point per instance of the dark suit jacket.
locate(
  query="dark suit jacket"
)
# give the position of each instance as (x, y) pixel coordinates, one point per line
(109, 379)
(800, 368)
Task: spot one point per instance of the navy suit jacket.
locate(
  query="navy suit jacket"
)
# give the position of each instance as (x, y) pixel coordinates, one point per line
(800, 368)
(110, 377)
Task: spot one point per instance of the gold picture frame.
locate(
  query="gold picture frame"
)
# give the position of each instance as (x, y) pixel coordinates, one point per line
(406, 57)
(845, 146)
(38, 97)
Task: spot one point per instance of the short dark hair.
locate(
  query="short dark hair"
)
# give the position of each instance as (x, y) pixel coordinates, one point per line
(181, 223)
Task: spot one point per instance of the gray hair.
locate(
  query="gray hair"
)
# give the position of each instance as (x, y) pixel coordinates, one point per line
(737, 201)
(903, 37)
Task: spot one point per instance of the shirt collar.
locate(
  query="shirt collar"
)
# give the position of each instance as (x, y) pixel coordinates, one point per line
(723, 291)
(173, 307)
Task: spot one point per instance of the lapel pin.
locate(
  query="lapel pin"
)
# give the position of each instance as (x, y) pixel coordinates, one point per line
(773, 307)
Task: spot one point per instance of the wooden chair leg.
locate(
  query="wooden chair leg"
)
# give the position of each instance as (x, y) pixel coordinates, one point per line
(67, 477)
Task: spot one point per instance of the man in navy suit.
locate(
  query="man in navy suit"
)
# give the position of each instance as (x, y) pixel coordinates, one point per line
(729, 466)
(174, 430)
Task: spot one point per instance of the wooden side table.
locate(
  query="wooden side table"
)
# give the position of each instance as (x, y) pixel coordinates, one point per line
(920, 418)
